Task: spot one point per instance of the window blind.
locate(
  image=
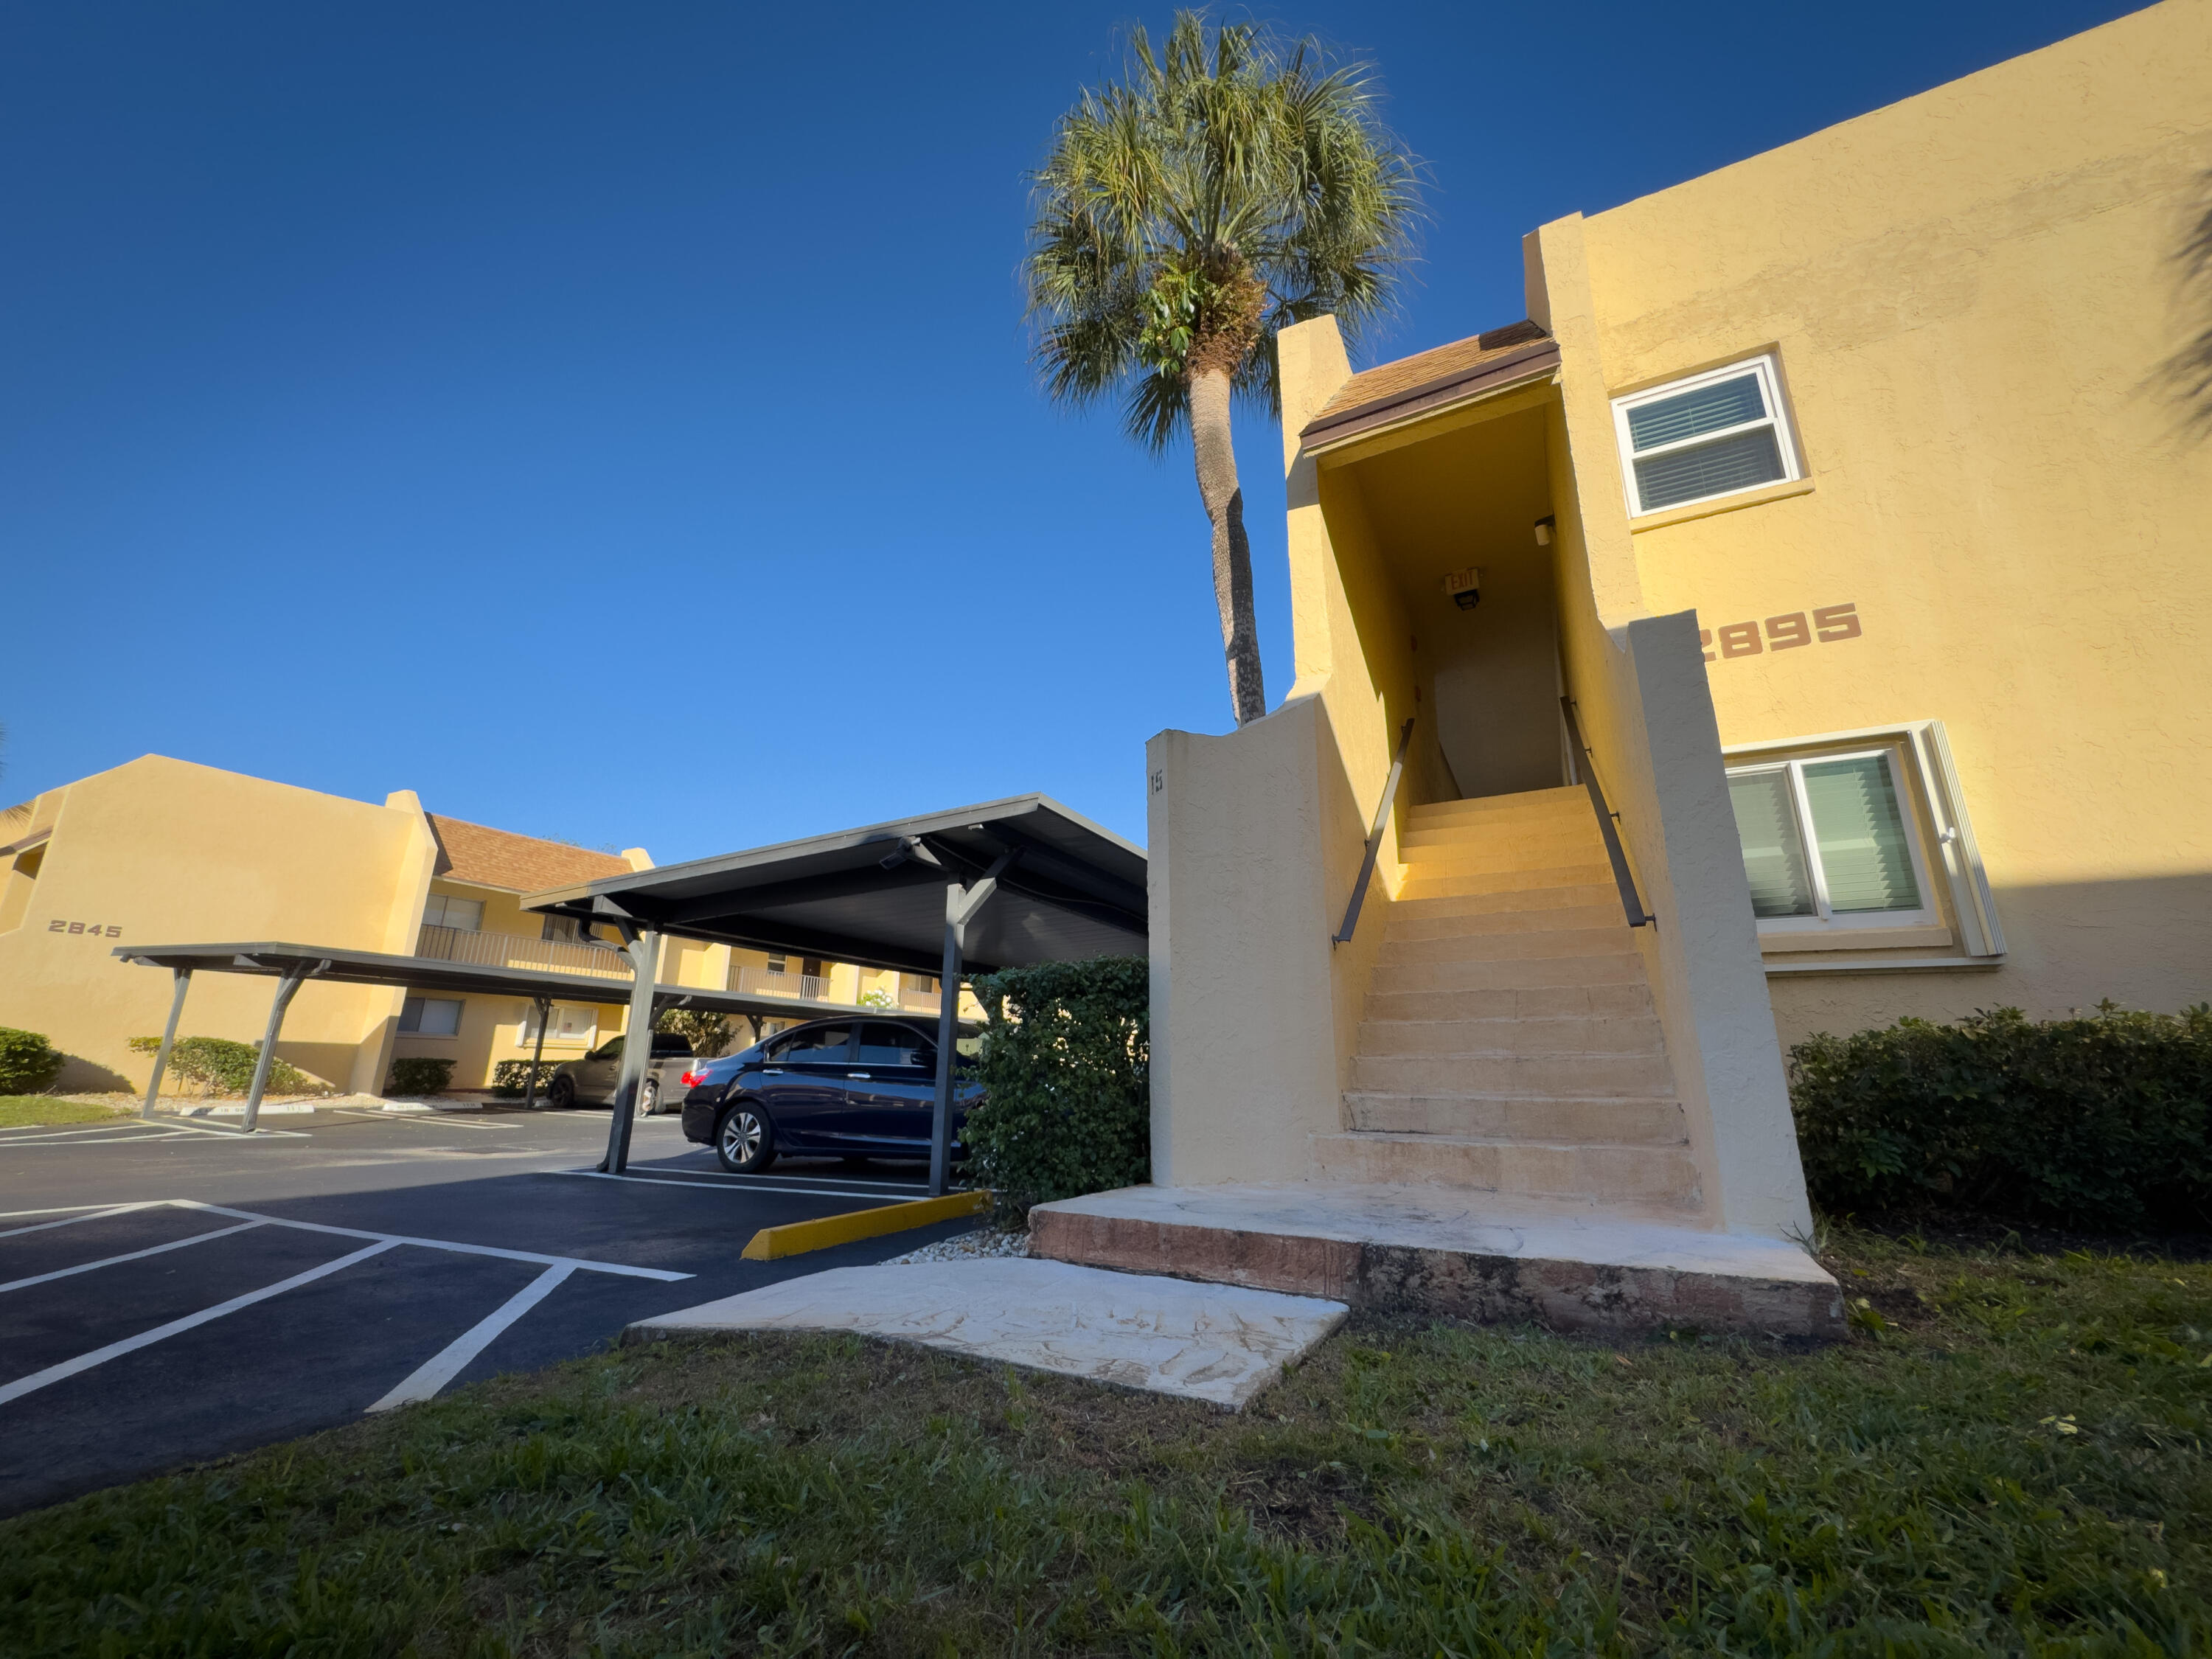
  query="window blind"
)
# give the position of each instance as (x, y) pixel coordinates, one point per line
(1742, 462)
(1693, 414)
(1773, 849)
(1859, 829)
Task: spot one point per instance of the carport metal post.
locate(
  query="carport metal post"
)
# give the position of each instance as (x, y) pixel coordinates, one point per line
(961, 906)
(545, 1014)
(287, 988)
(643, 947)
(168, 1041)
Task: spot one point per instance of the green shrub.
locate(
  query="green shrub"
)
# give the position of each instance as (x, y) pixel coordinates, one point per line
(1066, 1069)
(2096, 1121)
(709, 1032)
(510, 1078)
(419, 1076)
(221, 1066)
(27, 1062)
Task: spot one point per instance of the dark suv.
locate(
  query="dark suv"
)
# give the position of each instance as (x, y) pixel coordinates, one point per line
(858, 1087)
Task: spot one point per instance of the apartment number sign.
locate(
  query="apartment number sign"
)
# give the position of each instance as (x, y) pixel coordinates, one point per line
(1829, 625)
(95, 929)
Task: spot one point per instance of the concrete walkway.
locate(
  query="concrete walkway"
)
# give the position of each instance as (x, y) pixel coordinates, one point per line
(1221, 1344)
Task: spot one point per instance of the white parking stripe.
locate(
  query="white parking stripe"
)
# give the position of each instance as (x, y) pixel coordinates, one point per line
(47, 1130)
(91, 1212)
(134, 1255)
(888, 1194)
(542, 1260)
(448, 1362)
(85, 1362)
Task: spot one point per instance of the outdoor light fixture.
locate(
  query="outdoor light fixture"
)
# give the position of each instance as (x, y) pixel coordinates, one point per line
(1465, 587)
(1544, 527)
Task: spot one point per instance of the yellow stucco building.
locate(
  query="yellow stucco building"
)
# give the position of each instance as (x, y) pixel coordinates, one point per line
(162, 851)
(1832, 514)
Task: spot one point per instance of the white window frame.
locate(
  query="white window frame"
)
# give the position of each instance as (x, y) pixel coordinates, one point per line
(1827, 920)
(441, 900)
(1768, 370)
(1923, 748)
(526, 1035)
(460, 1004)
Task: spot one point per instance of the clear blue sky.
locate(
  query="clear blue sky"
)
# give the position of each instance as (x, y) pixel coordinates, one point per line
(470, 397)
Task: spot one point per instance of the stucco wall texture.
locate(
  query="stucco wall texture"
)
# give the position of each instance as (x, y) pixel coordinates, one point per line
(1971, 293)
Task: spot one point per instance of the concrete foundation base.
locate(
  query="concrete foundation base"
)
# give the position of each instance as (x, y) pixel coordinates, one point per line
(1444, 1251)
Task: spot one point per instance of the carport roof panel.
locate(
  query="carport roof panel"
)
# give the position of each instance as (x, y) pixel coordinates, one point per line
(429, 975)
(1075, 890)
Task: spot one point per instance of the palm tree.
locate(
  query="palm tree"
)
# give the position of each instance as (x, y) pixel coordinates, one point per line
(1229, 185)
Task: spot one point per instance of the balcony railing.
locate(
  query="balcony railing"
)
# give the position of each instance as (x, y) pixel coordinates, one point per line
(515, 950)
(759, 981)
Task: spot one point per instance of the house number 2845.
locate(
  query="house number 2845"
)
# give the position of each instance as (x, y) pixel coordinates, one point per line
(96, 930)
(1827, 626)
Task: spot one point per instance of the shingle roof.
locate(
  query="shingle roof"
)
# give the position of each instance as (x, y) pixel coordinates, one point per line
(521, 863)
(1441, 373)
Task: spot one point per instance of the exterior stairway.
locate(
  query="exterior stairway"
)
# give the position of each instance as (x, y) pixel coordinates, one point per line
(1509, 1046)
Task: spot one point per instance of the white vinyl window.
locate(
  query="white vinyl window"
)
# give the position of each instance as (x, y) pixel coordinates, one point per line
(570, 1024)
(1709, 435)
(443, 910)
(431, 1017)
(1830, 841)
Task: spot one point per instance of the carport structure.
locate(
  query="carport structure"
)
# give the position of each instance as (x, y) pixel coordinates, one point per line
(293, 965)
(1009, 883)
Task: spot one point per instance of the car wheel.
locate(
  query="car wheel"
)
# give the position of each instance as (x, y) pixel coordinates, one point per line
(744, 1141)
(648, 1098)
(562, 1095)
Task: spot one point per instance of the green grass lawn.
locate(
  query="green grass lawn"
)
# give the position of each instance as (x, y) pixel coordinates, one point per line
(16, 1111)
(2007, 1457)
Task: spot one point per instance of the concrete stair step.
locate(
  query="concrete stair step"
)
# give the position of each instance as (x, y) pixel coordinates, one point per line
(1429, 838)
(1514, 1034)
(1491, 806)
(1539, 1119)
(1616, 940)
(1510, 900)
(1604, 1075)
(1428, 882)
(1607, 1177)
(1436, 863)
(1578, 917)
(1456, 1253)
(1512, 974)
(1628, 1000)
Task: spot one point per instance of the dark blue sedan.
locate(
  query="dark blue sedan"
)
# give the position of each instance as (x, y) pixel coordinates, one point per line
(853, 1088)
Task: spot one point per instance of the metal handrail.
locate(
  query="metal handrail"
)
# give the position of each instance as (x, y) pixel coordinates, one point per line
(1629, 900)
(1343, 935)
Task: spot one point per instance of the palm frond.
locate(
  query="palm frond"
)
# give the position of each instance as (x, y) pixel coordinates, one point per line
(1222, 150)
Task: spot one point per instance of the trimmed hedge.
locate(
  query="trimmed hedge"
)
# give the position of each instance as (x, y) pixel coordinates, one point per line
(510, 1078)
(2098, 1122)
(1066, 1069)
(222, 1067)
(29, 1063)
(419, 1076)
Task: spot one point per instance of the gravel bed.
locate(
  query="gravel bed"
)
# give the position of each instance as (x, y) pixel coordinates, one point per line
(966, 1246)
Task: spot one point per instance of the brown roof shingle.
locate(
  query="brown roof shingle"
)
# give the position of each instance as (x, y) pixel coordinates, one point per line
(521, 863)
(1436, 375)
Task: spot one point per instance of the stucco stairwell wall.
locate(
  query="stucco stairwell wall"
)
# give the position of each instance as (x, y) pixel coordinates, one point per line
(1255, 839)
(1642, 700)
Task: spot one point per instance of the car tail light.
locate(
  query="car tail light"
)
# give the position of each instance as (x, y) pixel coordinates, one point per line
(693, 1079)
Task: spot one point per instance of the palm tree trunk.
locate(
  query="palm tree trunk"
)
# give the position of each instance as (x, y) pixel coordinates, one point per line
(1215, 454)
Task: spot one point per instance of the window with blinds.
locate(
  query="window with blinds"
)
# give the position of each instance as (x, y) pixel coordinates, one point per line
(1828, 840)
(1711, 435)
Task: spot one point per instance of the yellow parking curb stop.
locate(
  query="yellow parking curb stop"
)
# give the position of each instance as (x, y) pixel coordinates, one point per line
(796, 1238)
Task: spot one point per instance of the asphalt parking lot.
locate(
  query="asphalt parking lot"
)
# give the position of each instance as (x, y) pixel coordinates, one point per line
(177, 1291)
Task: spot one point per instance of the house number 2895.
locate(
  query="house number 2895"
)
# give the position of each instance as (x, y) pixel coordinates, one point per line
(1827, 626)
